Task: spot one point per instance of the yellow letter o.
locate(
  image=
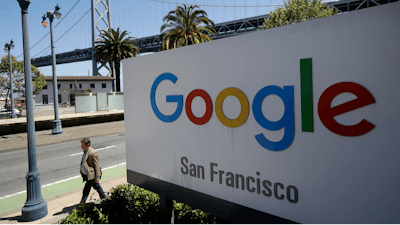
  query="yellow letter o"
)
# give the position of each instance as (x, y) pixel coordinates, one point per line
(244, 107)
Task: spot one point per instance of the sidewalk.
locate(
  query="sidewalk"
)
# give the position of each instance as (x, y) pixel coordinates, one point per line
(59, 206)
(48, 114)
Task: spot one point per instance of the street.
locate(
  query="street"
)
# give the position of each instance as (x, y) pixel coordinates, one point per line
(56, 162)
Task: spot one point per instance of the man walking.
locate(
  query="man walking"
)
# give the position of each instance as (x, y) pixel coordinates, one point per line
(90, 170)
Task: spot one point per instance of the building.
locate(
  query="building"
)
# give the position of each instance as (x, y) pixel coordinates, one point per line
(68, 86)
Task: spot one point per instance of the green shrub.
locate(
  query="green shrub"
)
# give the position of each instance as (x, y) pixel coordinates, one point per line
(86, 214)
(131, 204)
(184, 214)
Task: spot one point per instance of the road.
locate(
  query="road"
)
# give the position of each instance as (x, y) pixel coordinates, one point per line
(56, 162)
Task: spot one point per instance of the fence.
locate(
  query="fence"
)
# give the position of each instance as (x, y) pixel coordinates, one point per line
(95, 102)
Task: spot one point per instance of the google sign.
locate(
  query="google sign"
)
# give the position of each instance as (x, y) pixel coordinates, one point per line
(325, 111)
(298, 123)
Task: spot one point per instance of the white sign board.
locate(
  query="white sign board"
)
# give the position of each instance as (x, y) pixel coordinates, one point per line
(300, 122)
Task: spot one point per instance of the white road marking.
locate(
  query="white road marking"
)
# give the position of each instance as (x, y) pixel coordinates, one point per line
(80, 153)
(110, 167)
(21, 192)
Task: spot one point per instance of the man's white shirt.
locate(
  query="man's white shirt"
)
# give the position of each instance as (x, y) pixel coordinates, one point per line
(83, 168)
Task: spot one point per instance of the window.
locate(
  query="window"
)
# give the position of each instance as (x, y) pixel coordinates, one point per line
(59, 99)
(70, 86)
(92, 85)
(80, 86)
(45, 99)
(103, 85)
(45, 87)
(58, 86)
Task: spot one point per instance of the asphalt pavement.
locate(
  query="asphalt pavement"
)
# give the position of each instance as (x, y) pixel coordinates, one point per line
(57, 162)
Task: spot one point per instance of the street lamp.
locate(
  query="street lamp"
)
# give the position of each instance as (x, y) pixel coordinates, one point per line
(7, 48)
(35, 206)
(57, 129)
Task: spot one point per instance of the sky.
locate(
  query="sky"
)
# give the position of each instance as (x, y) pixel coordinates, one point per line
(140, 18)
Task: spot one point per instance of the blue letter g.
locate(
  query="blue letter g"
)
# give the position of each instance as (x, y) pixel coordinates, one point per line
(170, 98)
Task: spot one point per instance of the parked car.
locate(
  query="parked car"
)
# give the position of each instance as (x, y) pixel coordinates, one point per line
(5, 114)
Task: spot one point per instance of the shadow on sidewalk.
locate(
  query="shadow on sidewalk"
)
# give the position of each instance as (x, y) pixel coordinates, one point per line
(66, 210)
(19, 218)
(14, 218)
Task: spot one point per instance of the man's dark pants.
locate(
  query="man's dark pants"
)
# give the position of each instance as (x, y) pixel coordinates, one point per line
(89, 184)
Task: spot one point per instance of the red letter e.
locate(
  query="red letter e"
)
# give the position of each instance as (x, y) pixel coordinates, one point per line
(326, 113)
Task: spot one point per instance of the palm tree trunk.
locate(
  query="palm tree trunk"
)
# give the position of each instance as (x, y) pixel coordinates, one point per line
(117, 65)
(112, 65)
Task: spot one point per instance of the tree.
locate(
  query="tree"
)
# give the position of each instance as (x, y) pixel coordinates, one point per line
(296, 11)
(112, 47)
(65, 91)
(185, 26)
(38, 79)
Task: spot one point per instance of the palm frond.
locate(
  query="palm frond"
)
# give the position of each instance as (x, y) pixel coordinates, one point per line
(185, 25)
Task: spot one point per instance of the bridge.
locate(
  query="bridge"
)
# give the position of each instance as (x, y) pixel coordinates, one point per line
(153, 44)
(225, 29)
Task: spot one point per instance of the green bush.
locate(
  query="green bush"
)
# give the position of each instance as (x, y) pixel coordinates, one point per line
(131, 204)
(184, 214)
(86, 214)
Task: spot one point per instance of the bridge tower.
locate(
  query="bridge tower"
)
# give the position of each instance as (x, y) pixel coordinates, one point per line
(101, 17)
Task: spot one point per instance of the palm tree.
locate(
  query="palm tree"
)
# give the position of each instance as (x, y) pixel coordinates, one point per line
(112, 47)
(185, 26)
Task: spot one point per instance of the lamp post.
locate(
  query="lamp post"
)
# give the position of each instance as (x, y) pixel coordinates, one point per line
(35, 206)
(57, 129)
(7, 48)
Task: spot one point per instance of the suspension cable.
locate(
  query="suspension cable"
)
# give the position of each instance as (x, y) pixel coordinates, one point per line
(64, 33)
(54, 27)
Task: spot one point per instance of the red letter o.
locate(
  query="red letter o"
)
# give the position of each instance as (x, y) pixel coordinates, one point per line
(188, 107)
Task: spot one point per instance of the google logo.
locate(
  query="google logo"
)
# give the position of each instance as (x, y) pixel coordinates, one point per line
(286, 94)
